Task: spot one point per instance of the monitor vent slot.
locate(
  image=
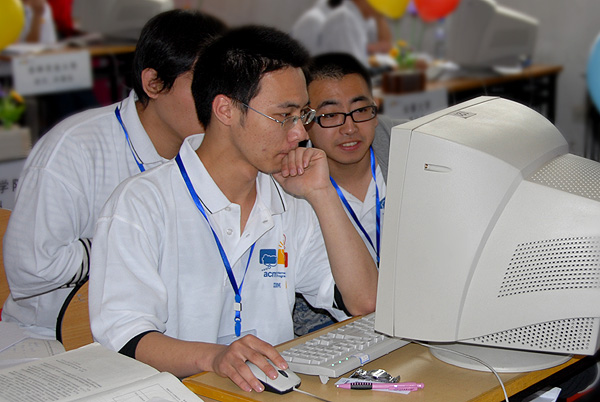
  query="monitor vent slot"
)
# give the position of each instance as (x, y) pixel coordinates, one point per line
(550, 265)
(571, 173)
(574, 335)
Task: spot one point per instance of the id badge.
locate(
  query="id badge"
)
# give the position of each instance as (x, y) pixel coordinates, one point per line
(229, 339)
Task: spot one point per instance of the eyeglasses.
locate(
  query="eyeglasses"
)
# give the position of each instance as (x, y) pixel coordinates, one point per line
(306, 116)
(329, 120)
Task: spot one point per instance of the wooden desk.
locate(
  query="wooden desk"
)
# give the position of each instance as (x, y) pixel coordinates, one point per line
(412, 362)
(110, 49)
(535, 87)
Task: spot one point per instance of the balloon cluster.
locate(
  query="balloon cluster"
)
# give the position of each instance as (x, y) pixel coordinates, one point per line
(433, 10)
(593, 73)
(12, 19)
(428, 10)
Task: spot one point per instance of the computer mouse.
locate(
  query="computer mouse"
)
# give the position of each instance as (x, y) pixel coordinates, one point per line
(285, 382)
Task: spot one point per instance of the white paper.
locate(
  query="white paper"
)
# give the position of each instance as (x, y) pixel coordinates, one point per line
(90, 373)
(29, 349)
(10, 334)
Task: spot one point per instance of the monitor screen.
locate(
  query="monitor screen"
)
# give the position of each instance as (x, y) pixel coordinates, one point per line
(482, 34)
(491, 235)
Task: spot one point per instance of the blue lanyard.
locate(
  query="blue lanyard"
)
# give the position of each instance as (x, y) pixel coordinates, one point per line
(377, 207)
(237, 306)
(139, 163)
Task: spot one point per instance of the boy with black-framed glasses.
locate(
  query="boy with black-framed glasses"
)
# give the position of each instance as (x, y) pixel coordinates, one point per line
(356, 140)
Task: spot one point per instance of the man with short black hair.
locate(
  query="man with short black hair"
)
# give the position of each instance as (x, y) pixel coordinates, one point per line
(178, 250)
(72, 169)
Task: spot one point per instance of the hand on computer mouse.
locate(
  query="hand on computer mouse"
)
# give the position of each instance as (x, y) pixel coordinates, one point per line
(285, 382)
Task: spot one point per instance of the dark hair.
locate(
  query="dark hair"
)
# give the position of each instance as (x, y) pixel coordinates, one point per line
(337, 66)
(169, 43)
(234, 64)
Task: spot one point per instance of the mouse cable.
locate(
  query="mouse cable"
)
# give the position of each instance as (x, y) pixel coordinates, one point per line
(309, 394)
(472, 358)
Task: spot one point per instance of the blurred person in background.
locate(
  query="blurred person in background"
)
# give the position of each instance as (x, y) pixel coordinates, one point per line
(39, 23)
(346, 26)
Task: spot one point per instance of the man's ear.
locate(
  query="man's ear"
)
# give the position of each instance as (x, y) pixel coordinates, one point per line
(151, 83)
(224, 109)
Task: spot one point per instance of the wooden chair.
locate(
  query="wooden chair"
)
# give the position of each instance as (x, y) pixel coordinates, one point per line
(73, 325)
(4, 290)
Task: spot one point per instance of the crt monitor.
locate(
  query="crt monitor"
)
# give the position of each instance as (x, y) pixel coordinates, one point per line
(482, 34)
(491, 237)
(117, 19)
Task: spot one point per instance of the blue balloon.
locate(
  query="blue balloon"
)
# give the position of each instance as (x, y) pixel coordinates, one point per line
(593, 73)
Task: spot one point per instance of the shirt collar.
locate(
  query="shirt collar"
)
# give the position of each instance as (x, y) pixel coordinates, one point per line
(269, 193)
(138, 137)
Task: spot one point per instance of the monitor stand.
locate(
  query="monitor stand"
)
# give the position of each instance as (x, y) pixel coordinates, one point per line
(502, 360)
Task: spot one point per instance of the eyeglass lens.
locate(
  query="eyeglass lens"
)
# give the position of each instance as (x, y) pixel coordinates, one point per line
(306, 116)
(359, 115)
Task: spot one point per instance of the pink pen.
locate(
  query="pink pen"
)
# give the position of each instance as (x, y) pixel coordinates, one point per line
(394, 386)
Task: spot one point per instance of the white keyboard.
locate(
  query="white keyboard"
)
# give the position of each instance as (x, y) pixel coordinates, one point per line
(341, 350)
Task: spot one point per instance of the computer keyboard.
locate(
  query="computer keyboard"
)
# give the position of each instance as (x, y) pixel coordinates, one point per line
(341, 350)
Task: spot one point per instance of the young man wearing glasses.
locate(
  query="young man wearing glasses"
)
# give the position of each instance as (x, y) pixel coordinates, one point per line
(242, 216)
(356, 141)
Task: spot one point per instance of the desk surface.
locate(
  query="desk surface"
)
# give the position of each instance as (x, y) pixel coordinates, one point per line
(96, 50)
(110, 49)
(412, 362)
(466, 83)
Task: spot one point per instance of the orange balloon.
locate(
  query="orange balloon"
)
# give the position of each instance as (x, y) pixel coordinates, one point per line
(12, 19)
(432, 10)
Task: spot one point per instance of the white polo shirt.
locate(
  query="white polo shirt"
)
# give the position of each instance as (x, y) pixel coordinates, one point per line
(346, 30)
(156, 266)
(365, 211)
(67, 177)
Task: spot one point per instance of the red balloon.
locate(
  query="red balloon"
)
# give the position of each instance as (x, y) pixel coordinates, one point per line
(432, 10)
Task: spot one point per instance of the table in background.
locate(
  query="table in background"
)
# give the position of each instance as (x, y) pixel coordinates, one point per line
(534, 86)
(443, 382)
(110, 64)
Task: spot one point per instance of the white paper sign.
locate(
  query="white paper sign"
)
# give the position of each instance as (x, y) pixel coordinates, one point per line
(414, 104)
(37, 74)
(9, 177)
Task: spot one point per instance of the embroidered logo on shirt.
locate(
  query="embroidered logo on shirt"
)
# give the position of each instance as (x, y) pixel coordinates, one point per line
(274, 258)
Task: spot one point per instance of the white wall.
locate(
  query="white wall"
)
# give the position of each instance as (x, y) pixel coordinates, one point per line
(567, 30)
(276, 13)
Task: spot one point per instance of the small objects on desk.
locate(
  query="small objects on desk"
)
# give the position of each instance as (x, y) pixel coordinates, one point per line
(399, 386)
(378, 375)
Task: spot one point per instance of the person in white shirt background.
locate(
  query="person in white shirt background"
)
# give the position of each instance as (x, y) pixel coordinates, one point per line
(73, 168)
(347, 26)
(307, 28)
(356, 139)
(39, 23)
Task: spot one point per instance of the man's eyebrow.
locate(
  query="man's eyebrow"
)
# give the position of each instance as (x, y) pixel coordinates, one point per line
(327, 102)
(360, 98)
(293, 105)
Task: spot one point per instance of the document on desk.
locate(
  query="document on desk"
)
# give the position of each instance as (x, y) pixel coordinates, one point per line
(17, 347)
(90, 373)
